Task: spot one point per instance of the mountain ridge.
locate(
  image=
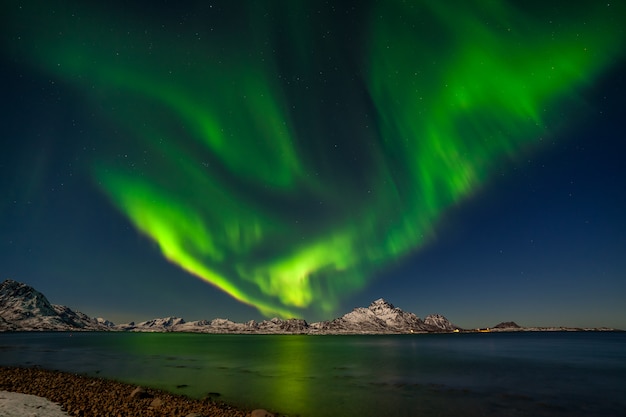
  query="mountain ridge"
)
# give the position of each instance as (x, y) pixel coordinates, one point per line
(22, 308)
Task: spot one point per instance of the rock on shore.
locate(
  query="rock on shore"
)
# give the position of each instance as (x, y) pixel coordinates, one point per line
(95, 397)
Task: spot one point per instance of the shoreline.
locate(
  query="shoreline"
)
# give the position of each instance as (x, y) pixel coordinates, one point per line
(84, 396)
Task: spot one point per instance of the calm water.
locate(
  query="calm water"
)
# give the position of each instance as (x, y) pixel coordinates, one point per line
(514, 374)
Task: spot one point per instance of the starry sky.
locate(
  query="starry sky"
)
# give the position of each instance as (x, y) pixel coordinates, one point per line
(246, 160)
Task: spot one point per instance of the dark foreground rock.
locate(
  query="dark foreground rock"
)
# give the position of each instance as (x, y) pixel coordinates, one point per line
(95, 397)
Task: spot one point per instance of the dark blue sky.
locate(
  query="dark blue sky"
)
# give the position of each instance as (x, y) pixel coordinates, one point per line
(542, 241)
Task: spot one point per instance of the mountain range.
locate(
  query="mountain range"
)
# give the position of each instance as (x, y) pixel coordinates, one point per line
(22, 308)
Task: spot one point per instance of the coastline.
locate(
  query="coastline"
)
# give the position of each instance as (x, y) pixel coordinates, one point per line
(84, 396)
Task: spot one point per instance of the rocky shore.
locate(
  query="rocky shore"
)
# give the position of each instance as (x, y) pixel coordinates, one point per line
(95, 397)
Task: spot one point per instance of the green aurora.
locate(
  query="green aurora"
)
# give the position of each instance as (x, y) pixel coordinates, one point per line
(286, 164)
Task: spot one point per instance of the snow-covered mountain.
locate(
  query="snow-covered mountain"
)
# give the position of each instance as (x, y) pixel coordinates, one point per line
(166, 324)
(22, 308)
(381, 317)
(437, 322)
(175, 324)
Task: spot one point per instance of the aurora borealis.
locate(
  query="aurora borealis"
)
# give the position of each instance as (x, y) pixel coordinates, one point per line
(290, 153)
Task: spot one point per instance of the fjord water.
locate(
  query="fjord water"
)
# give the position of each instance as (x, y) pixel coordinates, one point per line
(496, 374)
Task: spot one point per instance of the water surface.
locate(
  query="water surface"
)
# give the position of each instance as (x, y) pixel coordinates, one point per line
(503, 374)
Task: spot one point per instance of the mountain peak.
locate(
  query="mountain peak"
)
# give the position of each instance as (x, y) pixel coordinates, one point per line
(380, 303)
(507, 325)
(22, 301)
(24, 308)
(439, 322)
(10, 283)
(11, 287)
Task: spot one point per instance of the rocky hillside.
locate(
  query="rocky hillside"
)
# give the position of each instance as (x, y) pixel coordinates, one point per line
(22, 308)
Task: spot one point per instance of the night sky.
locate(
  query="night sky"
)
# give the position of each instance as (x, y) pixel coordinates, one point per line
(245, 160)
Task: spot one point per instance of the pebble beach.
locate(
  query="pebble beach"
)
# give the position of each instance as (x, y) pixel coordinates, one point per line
(84, 396)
